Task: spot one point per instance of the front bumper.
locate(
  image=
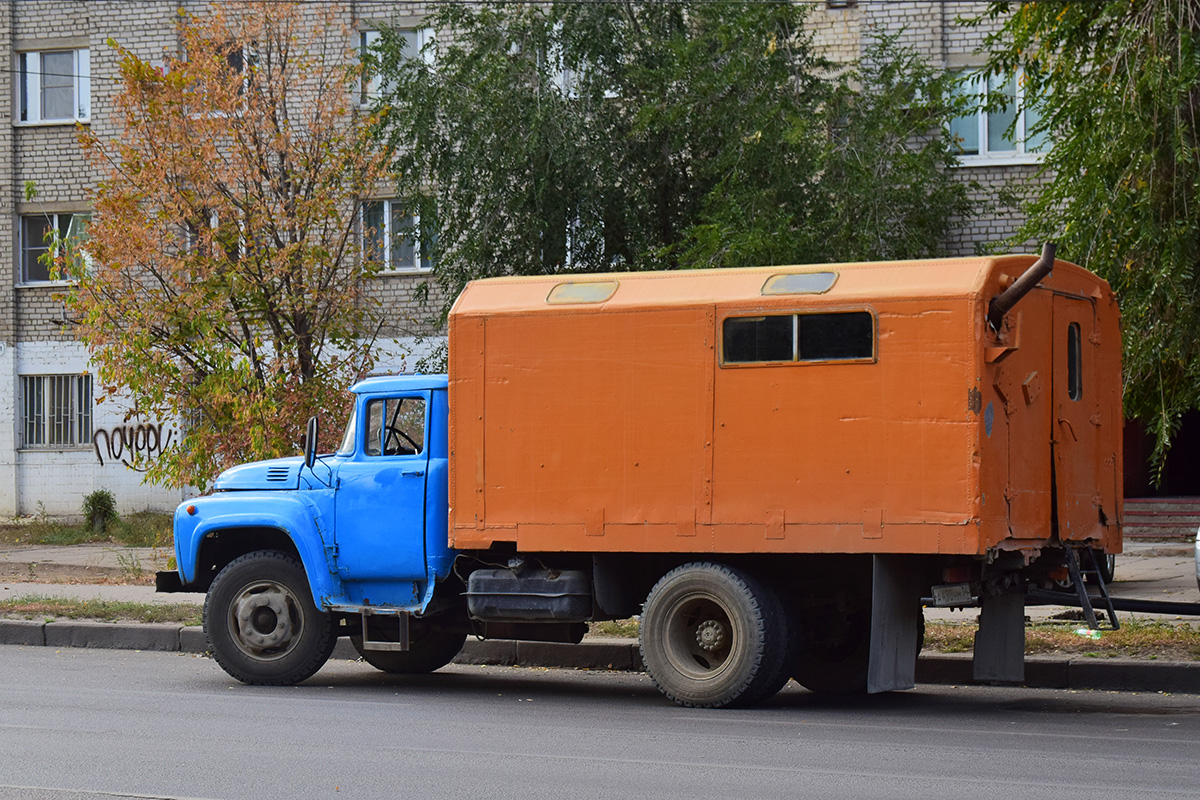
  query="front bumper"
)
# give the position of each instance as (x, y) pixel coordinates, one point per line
(168, 581)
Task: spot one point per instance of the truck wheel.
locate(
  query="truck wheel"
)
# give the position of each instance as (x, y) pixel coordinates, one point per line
(1107, 563)
(261, 623)
(429, 648)
(712, 637)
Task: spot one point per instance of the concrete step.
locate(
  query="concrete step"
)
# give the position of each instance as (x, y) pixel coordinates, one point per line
(1162, 518)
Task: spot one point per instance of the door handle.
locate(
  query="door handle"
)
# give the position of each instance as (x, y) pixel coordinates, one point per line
(415, 473)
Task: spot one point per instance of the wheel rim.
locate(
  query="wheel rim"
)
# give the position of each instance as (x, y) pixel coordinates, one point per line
(266, 620)
(701, 637)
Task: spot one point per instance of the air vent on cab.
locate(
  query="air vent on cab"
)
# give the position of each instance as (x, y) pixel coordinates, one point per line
(278, 474)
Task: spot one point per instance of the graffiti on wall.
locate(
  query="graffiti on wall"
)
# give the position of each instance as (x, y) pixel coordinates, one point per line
(124, 443)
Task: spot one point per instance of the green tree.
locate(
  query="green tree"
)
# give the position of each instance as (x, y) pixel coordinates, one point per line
(222, 286)
(1118, 84)
(602, 136)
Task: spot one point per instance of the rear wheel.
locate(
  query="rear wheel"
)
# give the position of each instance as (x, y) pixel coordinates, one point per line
(1107, 564)
(429, 648)
(713, 636)
(261, 622)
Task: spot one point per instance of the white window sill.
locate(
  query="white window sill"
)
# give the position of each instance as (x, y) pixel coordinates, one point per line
(45, 284)
(1004, 160)
(51, 123)
(59, 448)
(401, 272)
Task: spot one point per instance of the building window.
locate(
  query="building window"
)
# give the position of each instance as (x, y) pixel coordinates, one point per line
(392, 237)
(56, 86)
(997, 132)
(413, 45)
(37, 238)
(56, 410)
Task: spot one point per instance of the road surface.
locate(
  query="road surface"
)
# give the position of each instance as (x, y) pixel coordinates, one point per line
(91, 724)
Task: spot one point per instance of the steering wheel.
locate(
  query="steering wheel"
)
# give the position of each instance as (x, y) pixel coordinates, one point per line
(394, 434)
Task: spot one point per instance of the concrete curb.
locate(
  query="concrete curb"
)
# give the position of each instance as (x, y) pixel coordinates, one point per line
(1045, 672)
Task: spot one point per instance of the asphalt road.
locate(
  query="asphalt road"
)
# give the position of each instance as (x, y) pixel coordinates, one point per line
(91, 724)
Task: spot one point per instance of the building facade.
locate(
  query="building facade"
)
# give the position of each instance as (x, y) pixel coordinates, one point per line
(57, 444)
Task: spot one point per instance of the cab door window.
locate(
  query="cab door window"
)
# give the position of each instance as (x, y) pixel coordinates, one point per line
(395, 426)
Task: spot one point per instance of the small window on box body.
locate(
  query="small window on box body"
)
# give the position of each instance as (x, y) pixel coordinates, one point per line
(582, 292)
(833, 336)
(800, 283)
(1074, 362)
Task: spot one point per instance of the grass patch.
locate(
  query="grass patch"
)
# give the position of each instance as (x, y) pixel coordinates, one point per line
(620, 628)
(1137, 638)
(140, 529)
(50, 609)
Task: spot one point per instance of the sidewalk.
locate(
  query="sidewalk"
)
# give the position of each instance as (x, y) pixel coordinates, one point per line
(1146, 571)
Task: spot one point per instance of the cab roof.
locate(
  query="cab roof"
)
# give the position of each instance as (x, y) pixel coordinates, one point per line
(398, 383)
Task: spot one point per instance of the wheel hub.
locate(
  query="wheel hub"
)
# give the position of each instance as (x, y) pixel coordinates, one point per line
(710, 635)
(265, 624)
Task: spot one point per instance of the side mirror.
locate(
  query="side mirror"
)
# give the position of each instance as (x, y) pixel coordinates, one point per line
(310, 442)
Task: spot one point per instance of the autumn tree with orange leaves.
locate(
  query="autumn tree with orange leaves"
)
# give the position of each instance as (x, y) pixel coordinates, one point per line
(223, 286)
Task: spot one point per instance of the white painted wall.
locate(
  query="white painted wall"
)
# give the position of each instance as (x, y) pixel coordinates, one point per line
(55, 481)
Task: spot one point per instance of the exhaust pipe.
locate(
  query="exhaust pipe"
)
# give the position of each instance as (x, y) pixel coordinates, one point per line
(1002, 303)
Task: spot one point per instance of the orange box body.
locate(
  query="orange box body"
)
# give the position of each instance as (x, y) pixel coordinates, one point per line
(621, 413)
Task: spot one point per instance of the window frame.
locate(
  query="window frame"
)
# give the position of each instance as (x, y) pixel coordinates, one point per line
(980, 89)
(30, 89)
(78, 419)
(422, 263)
(797, 359)
(400, 400)
(25, 247)
(371, 87)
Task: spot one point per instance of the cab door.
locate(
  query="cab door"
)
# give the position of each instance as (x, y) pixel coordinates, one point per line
(1077, 420)
(379, 510)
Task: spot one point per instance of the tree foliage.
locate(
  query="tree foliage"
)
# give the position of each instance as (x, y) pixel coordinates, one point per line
(644, 135)
(1118, 83)
(222, 286)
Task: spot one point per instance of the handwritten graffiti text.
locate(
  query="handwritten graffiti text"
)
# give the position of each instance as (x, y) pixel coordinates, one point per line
(126, 442)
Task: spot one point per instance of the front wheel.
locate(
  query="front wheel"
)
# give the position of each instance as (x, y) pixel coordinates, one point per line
(712, 636)
(261, 623)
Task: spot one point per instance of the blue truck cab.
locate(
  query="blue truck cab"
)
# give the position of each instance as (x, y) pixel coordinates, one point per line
(296, 551)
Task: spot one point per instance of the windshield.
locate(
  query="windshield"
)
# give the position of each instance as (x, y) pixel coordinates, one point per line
(347, 446)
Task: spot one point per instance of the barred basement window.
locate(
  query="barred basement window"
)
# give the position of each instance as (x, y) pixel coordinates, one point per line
(56, 410)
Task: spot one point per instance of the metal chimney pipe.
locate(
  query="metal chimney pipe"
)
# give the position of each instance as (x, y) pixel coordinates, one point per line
(1002, 303)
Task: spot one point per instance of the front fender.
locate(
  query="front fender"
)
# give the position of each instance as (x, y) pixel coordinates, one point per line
(290, 513)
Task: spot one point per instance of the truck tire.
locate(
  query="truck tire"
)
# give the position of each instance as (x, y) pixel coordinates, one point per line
(713, 636)
(262, 625)
(429, 648)
(1107, 563)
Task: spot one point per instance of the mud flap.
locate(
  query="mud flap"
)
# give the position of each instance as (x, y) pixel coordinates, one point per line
(895, 615)
(1000, 641)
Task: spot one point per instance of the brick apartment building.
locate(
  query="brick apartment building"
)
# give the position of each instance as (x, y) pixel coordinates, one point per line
(56, 443)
